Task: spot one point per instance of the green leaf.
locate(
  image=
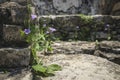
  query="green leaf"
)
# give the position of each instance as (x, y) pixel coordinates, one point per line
(49, 72)
(22, 33)
(54, 67)
(36, 46)
(39, 68)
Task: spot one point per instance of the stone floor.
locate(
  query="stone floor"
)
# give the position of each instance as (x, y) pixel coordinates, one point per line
(16, 74)
(83, 61)
(79, 61)
(82, 67)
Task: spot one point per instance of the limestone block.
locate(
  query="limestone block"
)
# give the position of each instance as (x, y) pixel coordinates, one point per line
(73, 26)
(106, 49)
(4, 15)
(22, 2)
(101, 35)
(12, 33)
(104, 18)
(73, 47)
(61, 7)
(109, 50)
(12, 12)
(82, 67)
(17, 74)
(2, 1)
(109, 45)
(116, 9)
(14, 57)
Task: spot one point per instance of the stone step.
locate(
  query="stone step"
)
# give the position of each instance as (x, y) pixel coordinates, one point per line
(13, 13)
(14, 57)
(82, 67)
(82, 47)
(18, 1)
(12, 33)
(16, 74)
(110, 46)
(80, 27)
(11, 36)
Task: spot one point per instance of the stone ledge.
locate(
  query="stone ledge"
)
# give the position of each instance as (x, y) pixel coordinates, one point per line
(75, 27)
(82, 67)
(16, 74)
(14, 57)
(12, 33)
(73, 47)
(11, 36)
(110, 46)
(21, 2)
(111, 49)
(12, 13)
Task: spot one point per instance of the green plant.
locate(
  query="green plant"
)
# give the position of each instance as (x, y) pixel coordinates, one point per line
(86, 19)
(84, 29)
(46, 70)
(107, 28)
(39, 39)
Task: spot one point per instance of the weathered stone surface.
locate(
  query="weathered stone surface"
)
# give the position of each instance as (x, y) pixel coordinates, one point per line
(107, 7)
(4, 15)
(22, 2)
(58, 7)
(14, 57)
(16, 74)
(1, 32)
(15, 13)
(110, 46)
(109, 50)
(66, 6)
(106, 49)
(82, 67)
(11, 36)
(116, 9)
(75, 27)
(2, 1)
(73, 47)
(12, 33)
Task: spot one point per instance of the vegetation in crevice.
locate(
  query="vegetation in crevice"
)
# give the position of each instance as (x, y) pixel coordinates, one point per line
(39, 38)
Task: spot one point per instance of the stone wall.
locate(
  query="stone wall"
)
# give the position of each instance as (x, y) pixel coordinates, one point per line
(89, 7)
(69, 27)
(81, 27)
(15, 55)
(106, 49)
(12, 16)
(14, 50)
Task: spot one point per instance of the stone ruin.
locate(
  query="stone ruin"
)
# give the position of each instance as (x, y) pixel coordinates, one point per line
(88, 7)
(14, 50)
(64, 16)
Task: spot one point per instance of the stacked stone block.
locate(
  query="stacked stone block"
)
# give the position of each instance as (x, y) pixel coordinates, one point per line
(88, 7)
(14, 50)
(73, 27)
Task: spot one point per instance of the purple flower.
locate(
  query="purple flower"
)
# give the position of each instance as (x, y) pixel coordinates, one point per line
(52, 29)
(44, 25)
(107, 26)
(77, 27)
(27, 31)
(47, 32)
(106, 29)
(33, 16)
